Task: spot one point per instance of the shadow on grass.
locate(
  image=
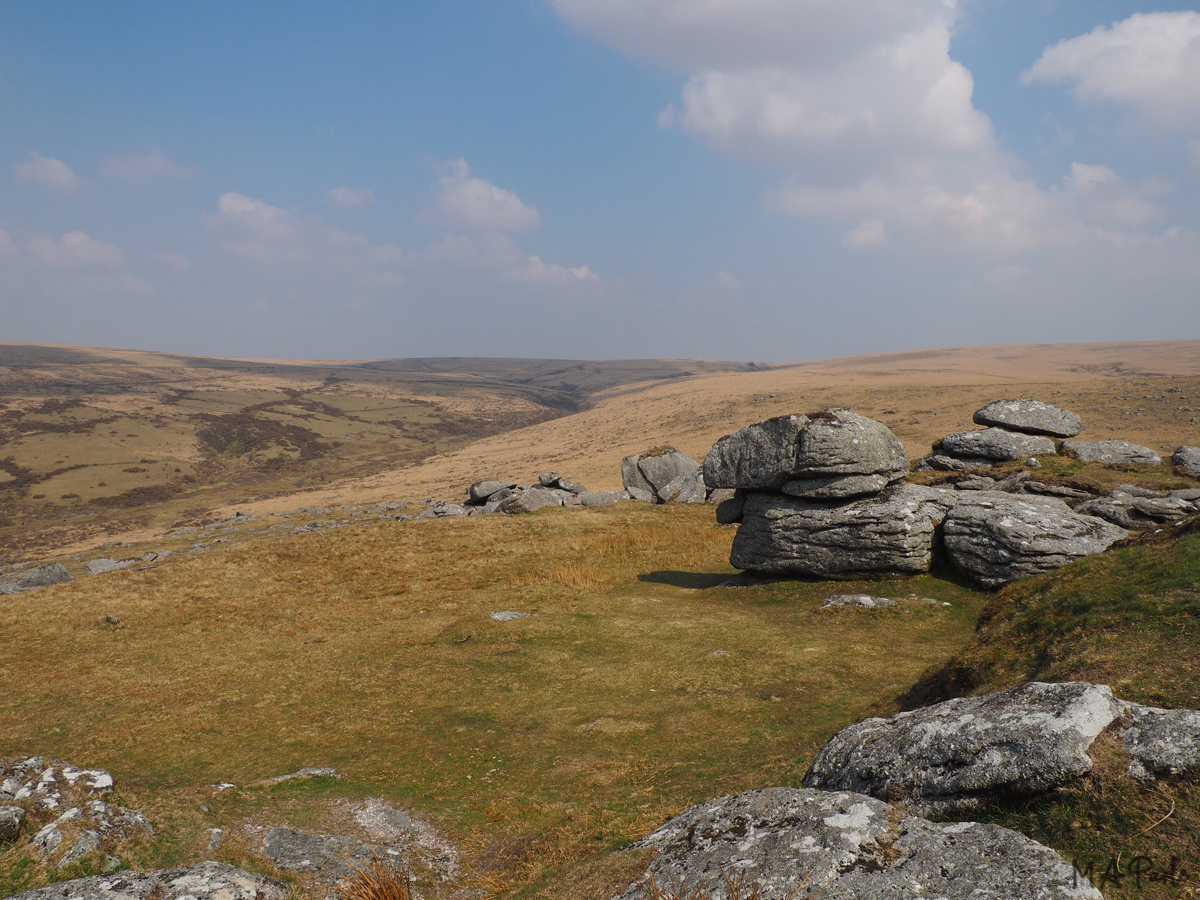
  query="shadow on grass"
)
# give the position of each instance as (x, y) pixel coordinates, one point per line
(692, 580)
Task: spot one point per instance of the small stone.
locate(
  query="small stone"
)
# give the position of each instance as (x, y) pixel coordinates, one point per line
(861, 600)
(1033, 463)
(507, 615)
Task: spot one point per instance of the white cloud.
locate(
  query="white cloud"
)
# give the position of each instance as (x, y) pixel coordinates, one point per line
(7, 247)
(870, 233)
(1149, 62)
(726, 282)
(73, 251)
(48, 172)
(534, 271)
(349, 198)
(864, 106)
(462, 200)
(144, 167)
(267, 234)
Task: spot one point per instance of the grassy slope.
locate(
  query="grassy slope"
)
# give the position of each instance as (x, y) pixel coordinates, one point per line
(1130, 619)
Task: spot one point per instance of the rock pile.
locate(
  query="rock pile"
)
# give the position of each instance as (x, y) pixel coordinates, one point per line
(63, 806)
(954, 756)
(509, 498)
(1016, 429)
(663, 475)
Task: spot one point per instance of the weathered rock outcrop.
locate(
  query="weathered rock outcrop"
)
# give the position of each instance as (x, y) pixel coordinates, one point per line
(1129, 510)
(1164, 743)
(996, 444)
(1031, 417)
(645, 474)
(832, 442)
(481, 491)
(1111, 452)
(1187, 459)
(205, 881)
(804, 842)
(952, 756)
(530, 500)
(892, 533)
(603, 498)
(996, 538)
(28, 579)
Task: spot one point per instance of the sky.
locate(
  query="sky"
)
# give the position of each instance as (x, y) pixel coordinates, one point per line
(759, 180)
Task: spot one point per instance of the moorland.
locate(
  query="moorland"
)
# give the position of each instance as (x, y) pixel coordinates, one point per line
(637, 685)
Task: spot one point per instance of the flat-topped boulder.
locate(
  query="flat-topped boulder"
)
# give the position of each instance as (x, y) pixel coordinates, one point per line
(996, 444)
(889, 534)
(1111, 452)
(836, 487)
(952, 756)
(791, 842)
(1030, 417)
(1130, 511)
(530, 500)
(831, 442)
(480, 491)
(645, 474)
(995, 538)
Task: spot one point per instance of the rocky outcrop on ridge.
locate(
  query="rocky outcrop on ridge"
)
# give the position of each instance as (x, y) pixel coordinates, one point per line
(663, 475)
(797, 842)
(953, 756)
(1017, 429)
(204, 881)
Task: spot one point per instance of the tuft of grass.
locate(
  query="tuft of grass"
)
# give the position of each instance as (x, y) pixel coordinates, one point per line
(376, 879)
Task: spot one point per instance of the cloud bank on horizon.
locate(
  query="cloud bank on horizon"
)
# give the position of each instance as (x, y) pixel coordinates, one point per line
(755, 179)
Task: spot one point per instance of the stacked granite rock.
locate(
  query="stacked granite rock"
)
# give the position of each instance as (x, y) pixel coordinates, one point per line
(818, 495)
(509, 498)
(1015, 429)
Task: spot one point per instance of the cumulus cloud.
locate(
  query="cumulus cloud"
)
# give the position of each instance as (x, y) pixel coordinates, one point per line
(463, 200)
(74, 250)
(48, 172)
(865, 108)
(144, 167)
(534, 271)
(258, 231)
(349, 198)
(1149, 63)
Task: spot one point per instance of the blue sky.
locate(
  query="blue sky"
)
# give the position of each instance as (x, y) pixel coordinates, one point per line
(744, 179)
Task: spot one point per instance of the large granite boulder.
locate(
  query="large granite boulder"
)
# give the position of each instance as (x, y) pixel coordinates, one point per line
(1111, 452)
(687, 488)
(1031, 417)
(944, 462)
(1187, 459)
(996, 444)
(995, 538)
(892, 533)
(832, 442)
(836, 487)
(645, 474)
(204, 881)
(796, 842)
(951, 756)
(603, 498)
(28, 579)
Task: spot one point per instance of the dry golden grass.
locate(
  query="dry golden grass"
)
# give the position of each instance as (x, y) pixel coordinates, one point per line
(377, 880)
(633, 689)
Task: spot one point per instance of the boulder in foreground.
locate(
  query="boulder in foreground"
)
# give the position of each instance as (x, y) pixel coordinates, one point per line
(950, 756)
(798, 842)
(205, 881)
(1031, 417)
